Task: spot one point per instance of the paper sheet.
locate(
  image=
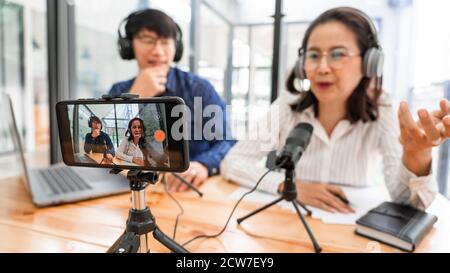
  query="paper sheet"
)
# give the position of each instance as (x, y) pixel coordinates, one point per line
(361, 199)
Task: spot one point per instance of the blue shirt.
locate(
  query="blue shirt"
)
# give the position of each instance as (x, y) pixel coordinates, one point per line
(101, 144)
(189, 86)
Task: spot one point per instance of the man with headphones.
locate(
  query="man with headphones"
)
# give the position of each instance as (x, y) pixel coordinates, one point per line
(98, 141)
(155, 41)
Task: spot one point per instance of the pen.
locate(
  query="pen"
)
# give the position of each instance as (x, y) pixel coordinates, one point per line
(343, 199)
(188, 184)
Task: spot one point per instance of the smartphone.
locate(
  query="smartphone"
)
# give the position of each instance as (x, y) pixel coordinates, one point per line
(145, 134)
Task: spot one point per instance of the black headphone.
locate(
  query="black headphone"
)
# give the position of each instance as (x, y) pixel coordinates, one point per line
(126, 46)
(372, 66)
(91, 119)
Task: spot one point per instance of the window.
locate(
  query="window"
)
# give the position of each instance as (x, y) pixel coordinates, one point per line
(213, 49)
(23, 72)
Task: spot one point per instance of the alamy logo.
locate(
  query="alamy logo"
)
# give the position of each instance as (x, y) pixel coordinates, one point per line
(213, 122)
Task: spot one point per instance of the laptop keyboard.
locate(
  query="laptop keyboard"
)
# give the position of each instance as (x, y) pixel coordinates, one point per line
(62, 179)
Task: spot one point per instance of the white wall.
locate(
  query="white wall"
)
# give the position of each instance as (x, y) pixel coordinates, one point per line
(432, 50)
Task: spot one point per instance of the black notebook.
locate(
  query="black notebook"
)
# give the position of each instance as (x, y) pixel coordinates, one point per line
(396, 225)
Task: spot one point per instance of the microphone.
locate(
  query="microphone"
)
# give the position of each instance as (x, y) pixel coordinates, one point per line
(105, 150)
(296, 144)
(105, 147)
(145, 152)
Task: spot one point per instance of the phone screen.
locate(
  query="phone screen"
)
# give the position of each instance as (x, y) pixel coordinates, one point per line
(146, 134)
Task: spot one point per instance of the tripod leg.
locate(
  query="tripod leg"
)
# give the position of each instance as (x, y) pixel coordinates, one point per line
(167, 241)
(128, 242)
(240, 220)
(317, 247)
(308, 211)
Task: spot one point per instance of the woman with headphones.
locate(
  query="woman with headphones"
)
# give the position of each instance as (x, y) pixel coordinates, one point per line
(153, 38)
(135, 149)
(353, 121)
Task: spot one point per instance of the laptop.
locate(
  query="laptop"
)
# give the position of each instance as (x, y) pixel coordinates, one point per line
(59, 184)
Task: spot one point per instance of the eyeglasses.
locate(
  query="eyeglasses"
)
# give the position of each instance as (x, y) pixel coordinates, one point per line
(151, 42)
(336, 58)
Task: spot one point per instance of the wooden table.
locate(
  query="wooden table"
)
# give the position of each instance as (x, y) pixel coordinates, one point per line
(92, 226)
(98, 157)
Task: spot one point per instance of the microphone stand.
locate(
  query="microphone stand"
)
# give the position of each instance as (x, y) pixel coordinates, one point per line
(289, 194)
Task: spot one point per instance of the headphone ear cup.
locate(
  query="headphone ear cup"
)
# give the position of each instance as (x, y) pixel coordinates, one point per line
(373, 63)
(379, 64)
(178, 45)
(368, 63)
(178, 51)
(125, 48)
(299, 69)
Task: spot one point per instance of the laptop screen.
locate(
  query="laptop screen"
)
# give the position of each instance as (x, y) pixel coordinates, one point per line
(12, 161)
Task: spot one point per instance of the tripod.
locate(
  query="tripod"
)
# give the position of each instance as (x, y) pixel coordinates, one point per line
(141, 221)
(289, 194)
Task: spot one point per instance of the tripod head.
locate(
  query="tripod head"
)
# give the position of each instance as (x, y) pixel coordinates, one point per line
(139, 180)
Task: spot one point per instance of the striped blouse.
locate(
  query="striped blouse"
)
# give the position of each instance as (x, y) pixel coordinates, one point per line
(347, 157)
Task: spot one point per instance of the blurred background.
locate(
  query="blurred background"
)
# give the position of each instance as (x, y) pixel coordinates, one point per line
(55, 49)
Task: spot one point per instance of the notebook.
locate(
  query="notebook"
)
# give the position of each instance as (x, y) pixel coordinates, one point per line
(397, 225)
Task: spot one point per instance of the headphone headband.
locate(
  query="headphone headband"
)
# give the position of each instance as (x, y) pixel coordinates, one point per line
(125, 20)
(373, 29)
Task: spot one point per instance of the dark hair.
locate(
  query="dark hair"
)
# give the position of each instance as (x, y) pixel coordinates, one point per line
(151, 20)
(94, 119)
(360, 104)
(130, 137)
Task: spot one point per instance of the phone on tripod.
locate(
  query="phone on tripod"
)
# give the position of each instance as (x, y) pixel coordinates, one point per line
(136, 134)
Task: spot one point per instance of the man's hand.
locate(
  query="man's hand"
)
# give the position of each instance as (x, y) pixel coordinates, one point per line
(150, 82)
(95, 133)
(196, 175)
(109, 157)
